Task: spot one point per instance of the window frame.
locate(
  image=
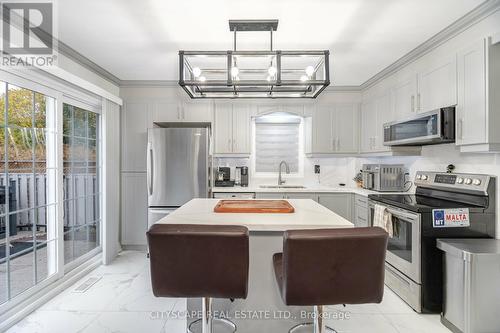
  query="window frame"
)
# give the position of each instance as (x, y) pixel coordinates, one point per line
(68, 267)
(271, 175)
(18, 81)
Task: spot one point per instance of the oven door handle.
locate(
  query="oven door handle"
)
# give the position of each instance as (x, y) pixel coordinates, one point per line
(399, 213)
(405, 216)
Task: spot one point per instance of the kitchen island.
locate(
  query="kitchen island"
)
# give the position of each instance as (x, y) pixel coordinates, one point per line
(263, 310)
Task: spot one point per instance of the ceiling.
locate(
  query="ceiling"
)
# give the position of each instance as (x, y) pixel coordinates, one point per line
(139, 40)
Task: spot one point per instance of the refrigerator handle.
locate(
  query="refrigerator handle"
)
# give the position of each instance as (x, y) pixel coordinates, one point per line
(150, 168)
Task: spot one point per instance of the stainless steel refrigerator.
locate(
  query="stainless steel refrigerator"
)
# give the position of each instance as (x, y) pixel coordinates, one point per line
(177, 167)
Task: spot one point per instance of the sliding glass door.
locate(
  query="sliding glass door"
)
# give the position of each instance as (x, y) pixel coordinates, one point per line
(50, 214)
(28, 200)
(81, 171)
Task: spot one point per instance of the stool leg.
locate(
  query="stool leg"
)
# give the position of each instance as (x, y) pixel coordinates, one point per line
(206, 320)
(319, 323)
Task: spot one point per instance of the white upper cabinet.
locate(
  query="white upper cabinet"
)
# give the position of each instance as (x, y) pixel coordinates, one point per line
(232, 128)
(471, 117)
(428, 85)
(404, 94)
(196, 111)
(375, 112)
(333, 129)
(321, 130)
(176, 111)
(165, 111)
(478, 109)
(384, 114)
(437, 84)
(223, 128)
(346, 128)
(241, 129)
(368, 126)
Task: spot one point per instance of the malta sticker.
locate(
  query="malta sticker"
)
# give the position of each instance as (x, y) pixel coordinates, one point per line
(449, 218)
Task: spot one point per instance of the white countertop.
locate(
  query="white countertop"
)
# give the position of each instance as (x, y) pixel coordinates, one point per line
(308, 215)
(307, 189)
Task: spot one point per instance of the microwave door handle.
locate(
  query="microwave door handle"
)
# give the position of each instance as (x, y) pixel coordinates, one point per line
(150, 168)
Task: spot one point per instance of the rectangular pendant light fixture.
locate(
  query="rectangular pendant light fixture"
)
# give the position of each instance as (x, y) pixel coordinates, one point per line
(254, 74)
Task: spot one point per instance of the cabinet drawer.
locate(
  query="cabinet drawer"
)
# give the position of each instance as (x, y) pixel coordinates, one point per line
(361, 216)
(361, 200)
(234, 195)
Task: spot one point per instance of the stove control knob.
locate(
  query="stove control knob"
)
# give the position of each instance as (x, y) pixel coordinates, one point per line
(460, 180)
(468, 181)
(424, 177)
(476, 182)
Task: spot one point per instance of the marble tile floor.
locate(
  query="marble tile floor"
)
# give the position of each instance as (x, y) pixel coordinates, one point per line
(122, 301)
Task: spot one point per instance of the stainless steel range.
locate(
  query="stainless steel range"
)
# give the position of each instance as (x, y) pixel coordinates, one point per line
(444, 205)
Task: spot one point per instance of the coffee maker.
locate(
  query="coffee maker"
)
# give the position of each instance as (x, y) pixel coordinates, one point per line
(244, 176)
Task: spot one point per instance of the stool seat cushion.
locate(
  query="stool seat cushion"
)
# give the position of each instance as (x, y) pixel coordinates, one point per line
(199, 260)
(332, 266)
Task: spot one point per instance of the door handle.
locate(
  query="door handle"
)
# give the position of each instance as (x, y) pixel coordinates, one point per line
(412, 103)
(150, 168)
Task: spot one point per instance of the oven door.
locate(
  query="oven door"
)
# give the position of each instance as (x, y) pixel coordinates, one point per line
(403, 249)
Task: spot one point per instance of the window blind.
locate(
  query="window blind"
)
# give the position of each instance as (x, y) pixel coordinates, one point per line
(276, 142)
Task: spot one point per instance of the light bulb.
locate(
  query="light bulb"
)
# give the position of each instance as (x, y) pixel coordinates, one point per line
(234, 71)
(272, 71)
(304, 78)
(196, 71)
(309, 70)
(202, 79)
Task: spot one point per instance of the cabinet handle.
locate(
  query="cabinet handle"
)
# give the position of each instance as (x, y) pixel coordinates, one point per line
(460, 128)
(338, 143)
(418, 102)
(183, 114)
(412, 103)
(178, 113)
(229, 144)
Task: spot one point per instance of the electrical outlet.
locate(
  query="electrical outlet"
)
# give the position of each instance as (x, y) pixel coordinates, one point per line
(316, 169)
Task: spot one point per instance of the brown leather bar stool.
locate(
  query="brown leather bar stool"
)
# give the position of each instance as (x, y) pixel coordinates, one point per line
(329, 267)
(207, 261)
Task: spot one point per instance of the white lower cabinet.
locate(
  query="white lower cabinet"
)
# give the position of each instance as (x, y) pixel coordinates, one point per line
(360, 211)
(283, 195)
(134, 208)
(270, 195)
(312, 196)
(339, 203)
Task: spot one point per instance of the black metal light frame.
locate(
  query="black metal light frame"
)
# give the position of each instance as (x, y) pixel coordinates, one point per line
(276, 88)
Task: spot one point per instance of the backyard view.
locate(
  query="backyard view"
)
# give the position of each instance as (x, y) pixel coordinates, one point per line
(28, 182)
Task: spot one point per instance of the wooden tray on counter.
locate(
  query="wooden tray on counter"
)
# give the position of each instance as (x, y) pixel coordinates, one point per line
(253, 206)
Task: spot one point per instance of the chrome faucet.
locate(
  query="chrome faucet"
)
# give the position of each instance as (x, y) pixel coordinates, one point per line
(287, 169)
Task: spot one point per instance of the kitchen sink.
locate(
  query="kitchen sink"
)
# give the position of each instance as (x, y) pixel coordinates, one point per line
(282, 186)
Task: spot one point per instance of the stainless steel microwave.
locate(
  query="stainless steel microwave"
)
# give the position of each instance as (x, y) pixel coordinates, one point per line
(428, 128)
